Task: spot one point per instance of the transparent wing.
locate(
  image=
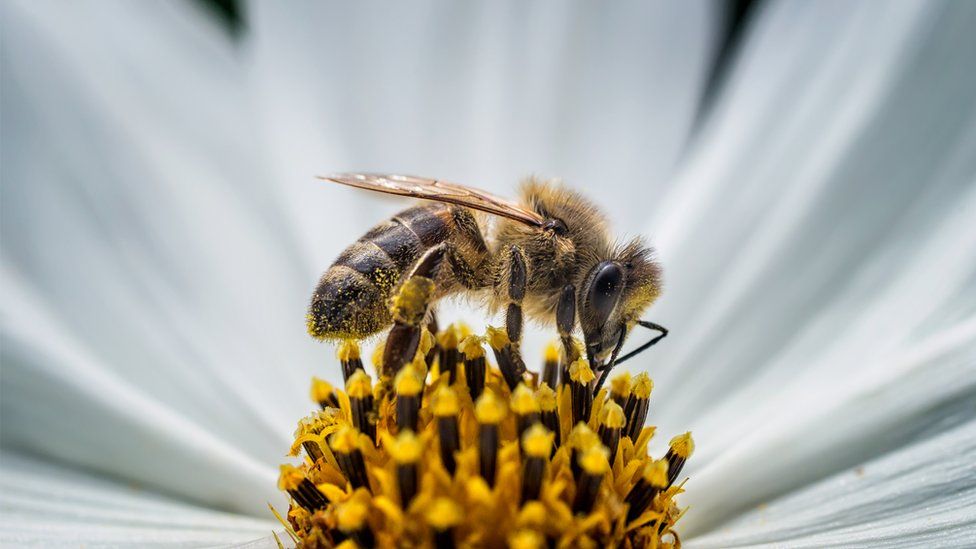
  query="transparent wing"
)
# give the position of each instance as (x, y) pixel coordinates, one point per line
(440, 191)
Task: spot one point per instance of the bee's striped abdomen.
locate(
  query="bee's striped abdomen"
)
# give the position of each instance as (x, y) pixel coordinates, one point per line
(352, 297)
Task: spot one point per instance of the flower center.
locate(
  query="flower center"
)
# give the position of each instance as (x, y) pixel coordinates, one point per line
(450, 450)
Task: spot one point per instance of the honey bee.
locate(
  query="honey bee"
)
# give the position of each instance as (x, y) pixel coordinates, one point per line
(548, 257)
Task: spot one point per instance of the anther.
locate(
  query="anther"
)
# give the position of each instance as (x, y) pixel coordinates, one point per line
(474, 365)
(594, 465)
(352, 517)
(360, 391)
(526, 408)
(348, 355)
(580, 376)
(303, 491)
(345, 446)
(489, 411)
(636, 408)
(445, 406)
(611, 425)
(537, 446)
(548, 411)
(443, 515)
(581, 438)
(620, 388)
(550, 365)
(447, 341)
(408, 386)
(324, 394)
(509, 360)
(406, 450)
(654, 478)
(681, 448)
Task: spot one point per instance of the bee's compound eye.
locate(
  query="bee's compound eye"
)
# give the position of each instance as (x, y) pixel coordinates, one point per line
(605, 290)
(556, 225)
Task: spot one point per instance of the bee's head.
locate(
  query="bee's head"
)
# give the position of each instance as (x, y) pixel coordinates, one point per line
(613, 295)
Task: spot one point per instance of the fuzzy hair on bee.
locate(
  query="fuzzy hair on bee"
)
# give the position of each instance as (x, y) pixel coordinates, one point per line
(550, 256)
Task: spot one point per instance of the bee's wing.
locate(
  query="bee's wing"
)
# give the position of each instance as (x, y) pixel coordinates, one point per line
(440, 191)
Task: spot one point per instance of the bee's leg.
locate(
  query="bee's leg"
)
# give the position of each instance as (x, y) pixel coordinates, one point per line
(409, 311)
(565, 321)
(506, 346)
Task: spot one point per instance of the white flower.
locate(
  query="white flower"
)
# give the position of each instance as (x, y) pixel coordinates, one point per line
(161, 232)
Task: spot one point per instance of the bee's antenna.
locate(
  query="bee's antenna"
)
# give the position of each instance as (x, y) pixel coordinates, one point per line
(649, 344)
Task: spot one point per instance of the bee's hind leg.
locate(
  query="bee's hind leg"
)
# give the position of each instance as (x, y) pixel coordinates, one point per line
(409, 310)
(506, 346)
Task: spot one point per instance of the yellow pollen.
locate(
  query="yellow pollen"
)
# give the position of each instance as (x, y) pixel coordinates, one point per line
(445, 402)
(580, 372)
(443, 513)
(318, 421)
(347, 543)
(377, 357)
(321, 390)
(546, 397)
(410, 303)
(595, 460)
(683, 445)
(290, 477)
(405, 448)
(471, 347)
(349, 350)
(345, 440)
(352, 515)
(551, 353)
(582, 437)
(489, 408)
(613, 415)
(359, 385)
(526, 539)
(642, 386)
(408, 382)
(497, 338)
(620, 384)
(655, 473)
(523, 400)
(533, 515)
(448, 339)
(426, 342)
(537, 441)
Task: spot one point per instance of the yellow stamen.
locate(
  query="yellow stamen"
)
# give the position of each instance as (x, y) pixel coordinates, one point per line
(537, 441)
(348, 350)
(445, 402)
(613, 415)
(497, 338)
(359, 385)
(489, 408)
(524, 401)
(443, 513)
(546, 398)
(642, 385)
(405, 448)
(655, 473)
(683, 445)
(408, 382)
(580, 372)
(471, 347)
(594, 460)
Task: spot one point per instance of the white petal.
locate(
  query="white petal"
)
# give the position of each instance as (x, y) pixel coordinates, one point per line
(922, 495)
(50, 506)
(484, 93)
(138, 218)
(813, 248)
